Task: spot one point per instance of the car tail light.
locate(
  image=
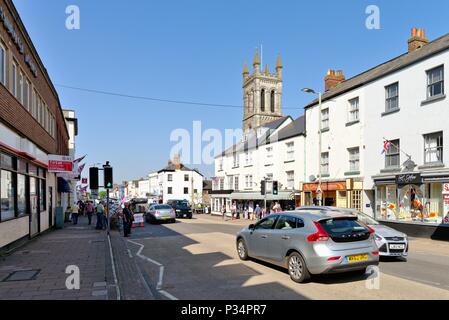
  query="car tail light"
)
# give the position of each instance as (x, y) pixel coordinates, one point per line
(371, 230)
(321, 235)
(376, 253)
(334, 258)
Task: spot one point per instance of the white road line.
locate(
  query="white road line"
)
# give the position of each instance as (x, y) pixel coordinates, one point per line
(161, 269)
(129, 253)
(168, 295)
(117, 288)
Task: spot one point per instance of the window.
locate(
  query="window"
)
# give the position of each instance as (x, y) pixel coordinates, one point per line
(221, 183)
(236, 160)
(236, 183)
(291, 179)
(392, 156)
(273, 101)
(266, 224)
(290, 151)
(325, 119)
(262, 100)
(26, 99)
(220, 165)
(170, 177)
(325, 163)
(354, 159)
(356, 200)
(248, 181)
(186, 177)
(21, 195)
(20, 88)
(435, 82)
(42, 195)
(353, 110)
(7, 189)
(392, 97)
(2, 65)
(248, 158)
(288, 223)
(14, 80)
(433, 148)
(186, 190)
(230, 182)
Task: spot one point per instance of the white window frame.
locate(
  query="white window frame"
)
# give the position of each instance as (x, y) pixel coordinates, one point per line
(3, 75)
(391, 99)
(325, 119)
(248, 158)
(431, 83)
(236, 158)
(324, 163)
(429, 150)
(354, 159)
(354, 110)
(290, 179)
(14, 79)
(290, 150)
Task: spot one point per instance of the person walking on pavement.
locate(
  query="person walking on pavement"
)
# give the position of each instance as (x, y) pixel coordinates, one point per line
(223, 210)
(100, 214)
(75, 213)
(89, 211)
(258, 212)
(127, 220)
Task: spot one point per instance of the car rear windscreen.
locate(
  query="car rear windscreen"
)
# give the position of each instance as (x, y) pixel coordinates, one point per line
(162, 207)
(345, 230)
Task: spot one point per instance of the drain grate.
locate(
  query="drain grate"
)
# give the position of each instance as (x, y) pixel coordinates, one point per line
(23, 275)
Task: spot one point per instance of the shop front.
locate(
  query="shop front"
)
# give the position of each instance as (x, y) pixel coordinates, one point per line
(286, 199)
(419, 199)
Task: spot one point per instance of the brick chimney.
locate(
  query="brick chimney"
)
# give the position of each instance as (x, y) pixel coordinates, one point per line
(333, 78)
(177, 162)
(417, 40)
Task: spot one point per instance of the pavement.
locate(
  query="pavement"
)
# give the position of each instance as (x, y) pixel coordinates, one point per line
(44, 260)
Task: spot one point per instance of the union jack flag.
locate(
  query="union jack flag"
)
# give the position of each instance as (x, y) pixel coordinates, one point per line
(387, 145)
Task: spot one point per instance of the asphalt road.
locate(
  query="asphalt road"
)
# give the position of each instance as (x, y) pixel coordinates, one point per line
(196, 259)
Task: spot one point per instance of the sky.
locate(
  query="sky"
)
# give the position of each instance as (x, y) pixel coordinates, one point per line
(195, 51)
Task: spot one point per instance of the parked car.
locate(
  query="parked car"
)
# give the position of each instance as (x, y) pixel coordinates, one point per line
(182, 208)
(391, 243)
(308, 243)
(160, 213)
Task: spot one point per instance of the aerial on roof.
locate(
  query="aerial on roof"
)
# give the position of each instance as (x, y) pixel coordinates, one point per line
(398, 63)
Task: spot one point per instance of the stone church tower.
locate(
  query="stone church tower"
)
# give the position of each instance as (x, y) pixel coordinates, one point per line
(262, 94)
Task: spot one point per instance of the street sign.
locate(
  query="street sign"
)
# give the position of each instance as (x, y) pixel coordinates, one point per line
(94, 194)
(60, 164)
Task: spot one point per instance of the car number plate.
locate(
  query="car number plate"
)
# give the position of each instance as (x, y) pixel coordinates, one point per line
(397, 246)
(357, 258)
(184, 215)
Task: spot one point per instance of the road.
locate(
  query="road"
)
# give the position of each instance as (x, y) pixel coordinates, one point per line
(196, 259)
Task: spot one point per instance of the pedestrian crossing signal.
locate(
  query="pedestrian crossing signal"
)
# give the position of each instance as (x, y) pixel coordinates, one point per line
(275, 188)
(93, 178)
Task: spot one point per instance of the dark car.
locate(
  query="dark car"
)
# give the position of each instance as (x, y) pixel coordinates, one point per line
(182, 208)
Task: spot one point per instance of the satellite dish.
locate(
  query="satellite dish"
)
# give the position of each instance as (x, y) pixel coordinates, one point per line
(312, 178)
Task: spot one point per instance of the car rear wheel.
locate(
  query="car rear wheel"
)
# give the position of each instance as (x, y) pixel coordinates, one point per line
(297, 268)
(241, 250)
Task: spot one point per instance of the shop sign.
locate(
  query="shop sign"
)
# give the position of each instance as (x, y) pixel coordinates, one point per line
(445, 203)
(60, 164)
(409, 178)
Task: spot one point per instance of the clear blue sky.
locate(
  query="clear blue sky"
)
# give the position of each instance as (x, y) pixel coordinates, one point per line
(194, 51)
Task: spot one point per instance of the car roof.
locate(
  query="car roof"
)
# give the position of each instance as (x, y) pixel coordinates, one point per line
(316, 214)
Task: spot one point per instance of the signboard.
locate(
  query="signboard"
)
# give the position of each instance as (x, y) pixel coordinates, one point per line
(409, 178)
(445, 203)
(94, 194)
(60, 164)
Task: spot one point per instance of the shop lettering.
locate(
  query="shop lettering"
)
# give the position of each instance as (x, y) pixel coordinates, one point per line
(17, 40)
(408, 179)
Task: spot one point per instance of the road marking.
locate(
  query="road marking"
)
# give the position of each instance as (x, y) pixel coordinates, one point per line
(161, 269)
(129, 253)
(117, 288)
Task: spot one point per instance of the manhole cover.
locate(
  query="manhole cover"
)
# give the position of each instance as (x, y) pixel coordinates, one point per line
(24, 275)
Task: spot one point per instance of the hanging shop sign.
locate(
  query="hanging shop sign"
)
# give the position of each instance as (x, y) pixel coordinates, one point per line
(60, 164)
(445, 203)
(15, 37)
(409, 178)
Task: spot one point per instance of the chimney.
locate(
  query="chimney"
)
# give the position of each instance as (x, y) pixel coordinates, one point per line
(417, 40)
(333, 78)
(177, 162)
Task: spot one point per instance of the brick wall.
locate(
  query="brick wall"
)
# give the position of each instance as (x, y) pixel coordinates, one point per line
(12, 113)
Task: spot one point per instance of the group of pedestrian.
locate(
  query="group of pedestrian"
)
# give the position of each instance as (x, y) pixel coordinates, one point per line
(251, 213)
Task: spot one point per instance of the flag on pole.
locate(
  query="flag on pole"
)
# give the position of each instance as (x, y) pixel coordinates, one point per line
(81, 168)
(79, 159)
(387, 145)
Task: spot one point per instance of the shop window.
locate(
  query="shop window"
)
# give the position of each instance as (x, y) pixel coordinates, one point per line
(435, 82)
(42, 196)
(7, 191)
(433, 148)
(21, 195)
(386, 202)
(392, 156)
(6, 162)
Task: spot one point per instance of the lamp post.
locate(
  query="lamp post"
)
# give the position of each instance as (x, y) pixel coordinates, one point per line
(308, 90)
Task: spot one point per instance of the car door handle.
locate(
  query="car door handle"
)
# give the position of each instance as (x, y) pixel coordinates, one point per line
(285, 238)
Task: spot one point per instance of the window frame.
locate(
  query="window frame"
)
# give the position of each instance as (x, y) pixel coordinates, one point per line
(389, 98)
(431, 85)
(390, 155)
(3, 78)
(324, 119)
(322, 163)
(439, 147)
(290, 147)
(352, 110)
(353, 160)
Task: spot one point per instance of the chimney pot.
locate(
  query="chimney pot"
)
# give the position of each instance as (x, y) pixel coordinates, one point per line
(417, 40)
(333, 78)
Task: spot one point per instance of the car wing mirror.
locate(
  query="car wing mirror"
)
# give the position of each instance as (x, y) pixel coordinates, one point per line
(252, 227)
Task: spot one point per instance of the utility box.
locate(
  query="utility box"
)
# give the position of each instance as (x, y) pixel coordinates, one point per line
(59, 218)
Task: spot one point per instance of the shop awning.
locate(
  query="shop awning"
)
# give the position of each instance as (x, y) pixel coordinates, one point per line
(283, 195)
(63, 186)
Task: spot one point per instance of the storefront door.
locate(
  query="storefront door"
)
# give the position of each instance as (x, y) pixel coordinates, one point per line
(50, 207)
(34, 216)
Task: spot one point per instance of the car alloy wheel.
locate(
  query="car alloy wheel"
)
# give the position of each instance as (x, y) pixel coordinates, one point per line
(241, 249)
(297, 268)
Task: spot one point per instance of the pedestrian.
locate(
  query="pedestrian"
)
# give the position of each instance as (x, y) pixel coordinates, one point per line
(128, 219)
(251, 212)
(89, 209)
(81, 206)
(223, 211)
(233, 211)
(75, 213)
(100, 214)
(258, 212)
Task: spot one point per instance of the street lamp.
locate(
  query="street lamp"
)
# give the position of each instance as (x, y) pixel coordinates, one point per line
(308, 90)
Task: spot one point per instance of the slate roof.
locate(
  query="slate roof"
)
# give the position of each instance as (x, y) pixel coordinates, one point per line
(398, 63)
(296, 128)
(172, 168)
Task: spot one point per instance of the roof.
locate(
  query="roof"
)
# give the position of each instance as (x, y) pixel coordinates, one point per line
(296, 128)
(171, 167)
(398, 63)
(207, 184)
(254, 141)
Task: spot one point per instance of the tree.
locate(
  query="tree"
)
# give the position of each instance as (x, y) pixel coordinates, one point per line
(102, 195)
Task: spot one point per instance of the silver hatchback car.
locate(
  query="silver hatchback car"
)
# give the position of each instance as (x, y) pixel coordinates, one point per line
(308, 243)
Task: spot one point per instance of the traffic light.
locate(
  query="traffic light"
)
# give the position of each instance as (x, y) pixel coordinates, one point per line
(263, 185)
(275, 188)
(108, 180)
(93, 178)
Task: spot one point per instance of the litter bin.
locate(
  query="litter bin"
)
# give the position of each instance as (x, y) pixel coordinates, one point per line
(59, 218)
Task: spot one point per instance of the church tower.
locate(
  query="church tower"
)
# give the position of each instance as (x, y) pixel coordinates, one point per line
(262, 94)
